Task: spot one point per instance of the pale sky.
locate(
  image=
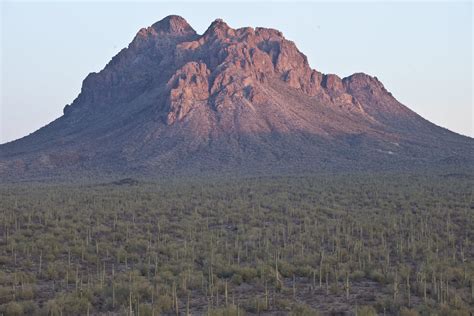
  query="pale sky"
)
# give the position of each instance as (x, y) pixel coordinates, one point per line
(422, 52)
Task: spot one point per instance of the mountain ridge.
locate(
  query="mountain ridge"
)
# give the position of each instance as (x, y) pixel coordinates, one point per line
(240, 99)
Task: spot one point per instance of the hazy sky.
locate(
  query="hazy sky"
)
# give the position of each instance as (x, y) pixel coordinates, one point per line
(422, 52)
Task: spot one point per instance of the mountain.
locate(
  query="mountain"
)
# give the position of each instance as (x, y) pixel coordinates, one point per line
(230, 100)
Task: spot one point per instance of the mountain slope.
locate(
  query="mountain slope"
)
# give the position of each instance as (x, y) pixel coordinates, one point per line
(239, 100)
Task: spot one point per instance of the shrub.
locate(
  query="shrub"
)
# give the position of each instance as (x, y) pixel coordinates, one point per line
(408, 312)
(377, 276)
(237, 279)
(29, 307)
(248, 274)
(165, 303)
(366, 311)
(286, 269)
(225, 272)
(282, 304)
(13, 309)
(74, 304)
(255, 305)
(27, 293)
(52, 308)
(303, 271)
(357, 275)
(303, 310)
(145, 310)
(231, 310)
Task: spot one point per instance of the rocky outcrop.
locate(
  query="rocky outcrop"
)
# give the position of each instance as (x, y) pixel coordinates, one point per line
(189, 87)
(222, 67)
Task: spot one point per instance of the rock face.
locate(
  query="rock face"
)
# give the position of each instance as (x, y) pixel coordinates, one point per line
(239, 100)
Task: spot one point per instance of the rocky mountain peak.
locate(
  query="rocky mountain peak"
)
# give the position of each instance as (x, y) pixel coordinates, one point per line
(173, 24)
(218, 29)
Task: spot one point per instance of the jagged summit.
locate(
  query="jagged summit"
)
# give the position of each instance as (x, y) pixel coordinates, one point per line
(173, 24)
(218, 28)
(241, 100)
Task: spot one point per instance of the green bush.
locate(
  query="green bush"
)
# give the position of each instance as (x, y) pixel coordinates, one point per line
(29, 307)
(27, 293)
(255, 305)
(165, 303)
(377, 276)
(282, 304)
(286, 269)
(231, 310)
(366, 311)
(237, 279)
(357, 275)
(14, 309)
(408, 312)
(248, 274)
(303, 310)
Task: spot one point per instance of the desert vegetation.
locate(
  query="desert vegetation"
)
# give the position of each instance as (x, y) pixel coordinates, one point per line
(364, 245)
